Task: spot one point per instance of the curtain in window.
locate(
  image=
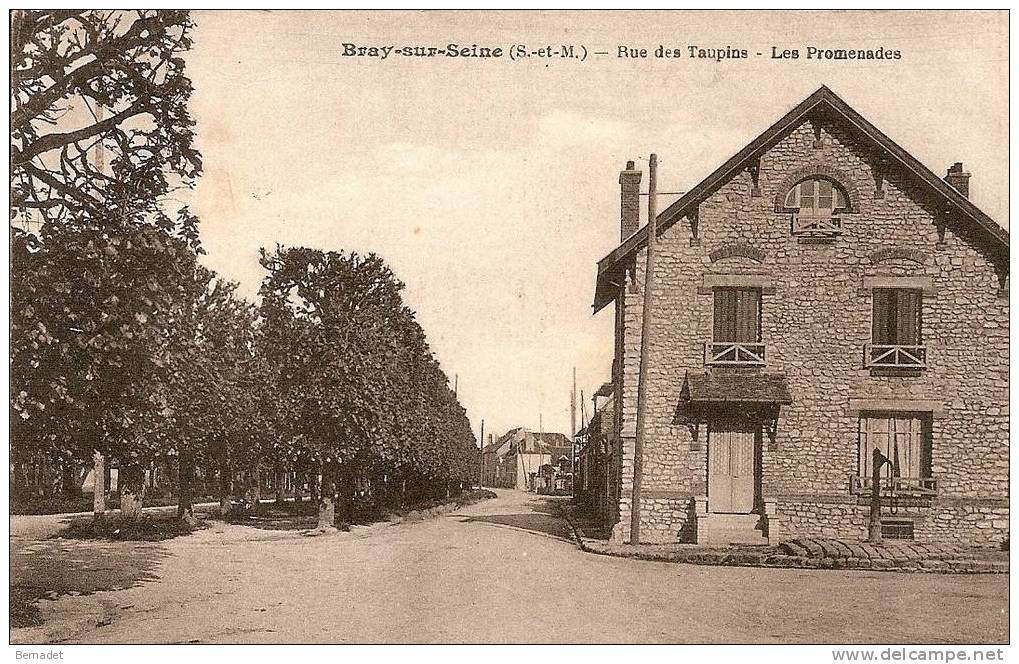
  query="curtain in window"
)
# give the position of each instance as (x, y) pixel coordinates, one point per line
(905, 439)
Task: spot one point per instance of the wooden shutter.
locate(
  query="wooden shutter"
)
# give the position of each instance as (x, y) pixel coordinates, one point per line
(748, 312)
(725, 315)
(884, 329)
(737, 314)
(907, 306)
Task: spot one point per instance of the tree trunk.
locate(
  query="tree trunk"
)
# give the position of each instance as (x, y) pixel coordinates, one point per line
(281, 479)
(132, 491)
(185, 491)
(69, 480)
(224, 487)
(256, 486)
(345, 490)
(327, 501)
(99, 488)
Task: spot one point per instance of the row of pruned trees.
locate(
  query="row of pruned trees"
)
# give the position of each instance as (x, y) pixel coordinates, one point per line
(126, 350)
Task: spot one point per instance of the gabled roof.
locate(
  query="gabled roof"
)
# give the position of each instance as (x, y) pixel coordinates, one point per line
(524, 441)
(610, 268)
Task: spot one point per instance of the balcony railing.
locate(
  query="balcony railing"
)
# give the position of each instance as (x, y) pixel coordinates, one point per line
(816, 225)
(895, 486)
(896, 356)
(733, 353)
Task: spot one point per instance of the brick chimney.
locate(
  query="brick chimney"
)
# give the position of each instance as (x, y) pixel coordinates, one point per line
(958, 178)
(629, 201)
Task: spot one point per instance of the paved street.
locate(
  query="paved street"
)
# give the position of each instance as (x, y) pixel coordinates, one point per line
(504, 571)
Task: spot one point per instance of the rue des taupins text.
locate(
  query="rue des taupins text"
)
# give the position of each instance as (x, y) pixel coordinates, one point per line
(622, 51)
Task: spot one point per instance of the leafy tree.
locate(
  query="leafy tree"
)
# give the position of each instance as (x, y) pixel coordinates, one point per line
(100, 134)
(326, 316)
(210, 390)
(359, 390)
(89, 353)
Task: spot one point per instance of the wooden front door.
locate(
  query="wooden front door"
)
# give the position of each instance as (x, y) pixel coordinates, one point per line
(731, 468)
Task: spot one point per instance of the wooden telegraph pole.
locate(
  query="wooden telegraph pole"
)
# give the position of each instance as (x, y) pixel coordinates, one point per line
(645, 350)
(573, 432)
(481, 445)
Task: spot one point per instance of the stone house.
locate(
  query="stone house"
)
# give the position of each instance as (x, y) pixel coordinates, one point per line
(820, 295)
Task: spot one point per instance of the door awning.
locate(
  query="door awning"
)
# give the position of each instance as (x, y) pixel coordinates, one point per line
(744, 388)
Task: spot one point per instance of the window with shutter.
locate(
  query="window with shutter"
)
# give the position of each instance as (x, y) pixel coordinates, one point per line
(737, 314)
(816, 204)
(896, 332)
(736, 332)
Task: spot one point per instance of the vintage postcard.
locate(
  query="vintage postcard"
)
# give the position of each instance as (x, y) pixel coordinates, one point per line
(510, 327)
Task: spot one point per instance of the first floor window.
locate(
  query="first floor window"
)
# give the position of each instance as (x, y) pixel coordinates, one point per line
(904, 438)
(896, 319)
(737, 315)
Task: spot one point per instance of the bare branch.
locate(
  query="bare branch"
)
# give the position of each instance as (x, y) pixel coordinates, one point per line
(53, 141)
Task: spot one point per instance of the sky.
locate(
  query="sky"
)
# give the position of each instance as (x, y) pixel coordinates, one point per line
(490, 186)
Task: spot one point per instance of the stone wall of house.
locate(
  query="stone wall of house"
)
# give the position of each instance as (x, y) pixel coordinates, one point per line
(815, 324)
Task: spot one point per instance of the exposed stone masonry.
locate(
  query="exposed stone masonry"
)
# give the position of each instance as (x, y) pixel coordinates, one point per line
(816, 324)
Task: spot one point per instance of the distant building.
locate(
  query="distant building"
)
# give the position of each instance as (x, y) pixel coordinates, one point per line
(514, 460)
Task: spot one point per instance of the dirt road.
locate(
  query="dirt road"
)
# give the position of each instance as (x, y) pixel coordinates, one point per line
(505, 571)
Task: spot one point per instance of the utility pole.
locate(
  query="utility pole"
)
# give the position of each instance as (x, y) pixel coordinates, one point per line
(645, 350)
(456, 385)
(573, 431)
(573, 405)
(481, 444)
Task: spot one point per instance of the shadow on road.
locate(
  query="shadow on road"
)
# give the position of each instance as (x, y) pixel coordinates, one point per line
(54, 567)
(536, 514)
(544, 524)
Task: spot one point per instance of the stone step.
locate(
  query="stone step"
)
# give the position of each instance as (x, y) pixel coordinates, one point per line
(724, 529)
(733, 520)
(723, 537)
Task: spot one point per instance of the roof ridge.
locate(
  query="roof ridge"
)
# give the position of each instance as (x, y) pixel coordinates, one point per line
(763, 141)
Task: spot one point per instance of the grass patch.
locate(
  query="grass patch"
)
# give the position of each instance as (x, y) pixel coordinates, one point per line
(23, 612)
(116, 528)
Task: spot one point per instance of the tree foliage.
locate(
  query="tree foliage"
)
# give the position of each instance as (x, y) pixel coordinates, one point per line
(122, 343)
(359, 384)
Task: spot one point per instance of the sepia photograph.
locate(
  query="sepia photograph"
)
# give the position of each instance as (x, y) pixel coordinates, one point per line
(534, 327)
